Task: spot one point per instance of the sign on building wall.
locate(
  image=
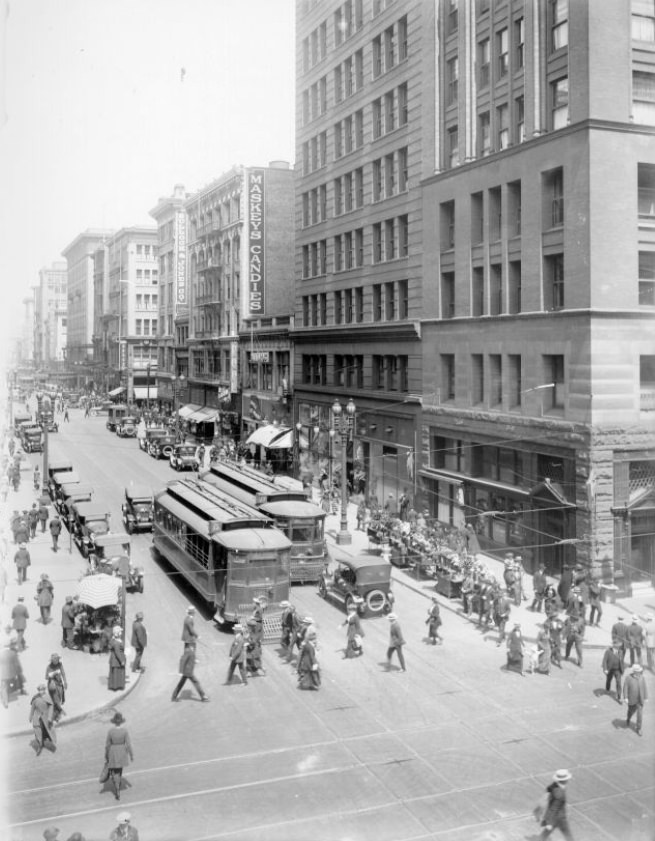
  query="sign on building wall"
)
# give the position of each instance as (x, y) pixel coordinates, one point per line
(256, 296)
(180, 258)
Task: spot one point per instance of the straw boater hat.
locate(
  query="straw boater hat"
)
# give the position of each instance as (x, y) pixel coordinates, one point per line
(561, 776)
(124, 817)
(637, 668)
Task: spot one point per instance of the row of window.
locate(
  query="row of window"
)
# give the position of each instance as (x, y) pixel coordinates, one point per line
(388, 302)
(389, 112)
(643, 20)
(389, 241)
(212, 219)
(147, 302)
(147, 251)
(383, 372)
(146, 326)
(147, 275)
(494, 380)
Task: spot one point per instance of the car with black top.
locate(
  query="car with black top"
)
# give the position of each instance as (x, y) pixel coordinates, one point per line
(363, 581)
(137, 509)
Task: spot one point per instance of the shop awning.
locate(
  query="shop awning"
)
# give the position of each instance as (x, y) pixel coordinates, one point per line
(189, 409)
(263, 435)
(284, 441)
(145, 393)
(116, 391)
(204, 415)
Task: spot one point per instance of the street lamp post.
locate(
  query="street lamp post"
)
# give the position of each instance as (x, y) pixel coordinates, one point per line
(178, 382)
(342, 423)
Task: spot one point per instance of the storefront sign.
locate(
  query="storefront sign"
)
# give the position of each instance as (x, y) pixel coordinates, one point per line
(260, 356)
(256, 254)
(180, 258)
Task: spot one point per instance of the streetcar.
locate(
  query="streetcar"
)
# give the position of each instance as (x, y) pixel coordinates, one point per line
(229, 552)
(302, 521)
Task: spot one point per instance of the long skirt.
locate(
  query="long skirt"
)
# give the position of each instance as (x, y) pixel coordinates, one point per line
(116, 677)
(309, 679)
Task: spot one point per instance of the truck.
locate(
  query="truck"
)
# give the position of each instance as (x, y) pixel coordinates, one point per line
(115, 414)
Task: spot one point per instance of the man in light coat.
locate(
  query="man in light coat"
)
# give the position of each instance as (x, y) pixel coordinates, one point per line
(396, 642)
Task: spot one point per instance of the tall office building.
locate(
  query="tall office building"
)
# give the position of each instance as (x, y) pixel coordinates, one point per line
(50, 311)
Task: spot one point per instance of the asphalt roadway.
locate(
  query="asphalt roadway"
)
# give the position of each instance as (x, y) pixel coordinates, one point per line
(455, 748)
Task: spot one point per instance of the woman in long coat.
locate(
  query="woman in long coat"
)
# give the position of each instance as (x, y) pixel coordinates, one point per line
(118, 752)
(515, 649)
(545, 651)
(309, 675)
(354, 633)
(116, 661)
(55, 676)
(44, 597)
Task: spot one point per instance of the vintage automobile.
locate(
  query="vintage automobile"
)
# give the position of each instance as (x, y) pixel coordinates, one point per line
(69, 494)
(67, 477)
(363, 581)
(47, 420)
(184, 457)
(137, 509)
(31, 436)
(89, 521)
(115, 415)
(112, 555)
(149, 436)
(161, 446)
(20, 418)
(126, 427)
(56, 466)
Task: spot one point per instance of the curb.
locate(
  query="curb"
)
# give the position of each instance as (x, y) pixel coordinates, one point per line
(79, 716)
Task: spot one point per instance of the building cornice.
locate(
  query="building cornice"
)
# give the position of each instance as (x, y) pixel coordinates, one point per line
(408, 331)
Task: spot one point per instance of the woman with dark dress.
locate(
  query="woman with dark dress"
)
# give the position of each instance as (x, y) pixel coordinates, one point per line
(309, 675)
(354, 633)
(116, 661)
(55, 676)
(118, 752)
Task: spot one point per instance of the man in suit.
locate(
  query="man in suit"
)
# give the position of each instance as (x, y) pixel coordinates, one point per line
(68, 623)
(237, 656)
(539, 584)
(574, 629)
(22, 560)
(396, 642)
(41, 718)
(613, 669)
(636, 694)
(19, 617)
(189, 635)
(565, 584)
(187, 667)
(620, 634)
(139, 642)
(635, 640)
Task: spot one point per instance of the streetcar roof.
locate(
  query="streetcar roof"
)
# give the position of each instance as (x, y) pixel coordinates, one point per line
(211, 504)
(293, 509)
(251, 539)
(256, 490)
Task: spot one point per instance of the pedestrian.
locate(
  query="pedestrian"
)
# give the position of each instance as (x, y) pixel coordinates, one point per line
(544, 650)
(33, 520)
(116, 679)
(289, 626)
(139, 642)
(124, 831)
(354, 634)
(4, 581)
(66, 418)
(188, 662)
(4, 488)
(539, 584)
(68, 623)
(76, 836)
(619, 634)
(41, 719)
(55, 531)
(574, 628)
(613, 669)
(554, 814)
(37, 478)
(23, 560)
(434, 622)
(50, 833)
(118, 752)
(515, 649)
(636, 695)
(57, 684)
(635, 640)
(45, 597)
(253, 649)
(502, 610)
(649, 633)
(390, 506)
(11, 673)
(403, 505)
(309, 672)
(396, 642)
(43, 516)
(237, 656)
(19, 617)
(361, 515)
(189, 634)
(565, 584)
(595, 606)
(258, 615)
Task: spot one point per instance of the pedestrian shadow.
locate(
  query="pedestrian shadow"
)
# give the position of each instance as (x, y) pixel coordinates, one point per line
(599, 693)
(619, 724)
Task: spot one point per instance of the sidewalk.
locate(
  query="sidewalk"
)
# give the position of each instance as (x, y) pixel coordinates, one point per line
(86, 673)
(595, 637)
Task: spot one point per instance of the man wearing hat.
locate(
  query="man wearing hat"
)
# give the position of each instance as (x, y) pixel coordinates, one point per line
(636, 695)
(187, 672)
(555, 814)
(41, 718)
(68, 623)
(574, 629)
(434, 622)
(44, 597)
(22, 560)
(289, 625)
(19, 617)
(50, 833)
(253, 649)
(55, 531)
(396, 642)
(139, 641)
(515, 649)
(539, 584)
(613, 669)
(619, 634)
(565, 584)
(237, 655)
(124, 831)
(635, 640)
(258, 616)
(189, 634)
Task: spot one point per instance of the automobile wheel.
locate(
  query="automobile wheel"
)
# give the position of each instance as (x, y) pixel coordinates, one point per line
(322, 589)
(375, 601)
(167, 452)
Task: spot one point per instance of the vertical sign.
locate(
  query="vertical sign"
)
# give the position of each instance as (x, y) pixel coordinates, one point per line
(256, 299)
(180, 257)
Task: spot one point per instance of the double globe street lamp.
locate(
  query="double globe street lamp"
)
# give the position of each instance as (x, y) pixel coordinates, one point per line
(343, 422)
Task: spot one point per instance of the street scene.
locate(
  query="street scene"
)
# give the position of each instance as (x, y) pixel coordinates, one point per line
(327, 420)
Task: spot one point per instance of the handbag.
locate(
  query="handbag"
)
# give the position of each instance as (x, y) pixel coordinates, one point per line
(104, 774)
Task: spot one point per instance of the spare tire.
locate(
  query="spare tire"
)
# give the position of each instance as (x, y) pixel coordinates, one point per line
(375, 601)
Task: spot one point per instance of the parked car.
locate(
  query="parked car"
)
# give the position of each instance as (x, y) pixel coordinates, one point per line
(59, 479)
(31, 437)
(112, 555)
(137, 509)
(184, 457)
(161, 446)
(126, 427)
(90, 520)
(363, 581)
(56, 466)
(20, 418)
(47, 420)
(115, 415)
(69, 494)
(149, 435)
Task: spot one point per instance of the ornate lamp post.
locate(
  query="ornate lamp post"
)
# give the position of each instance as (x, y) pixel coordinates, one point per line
(343, 423)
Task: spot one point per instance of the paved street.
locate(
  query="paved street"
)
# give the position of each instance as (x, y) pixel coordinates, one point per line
(456, 748)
